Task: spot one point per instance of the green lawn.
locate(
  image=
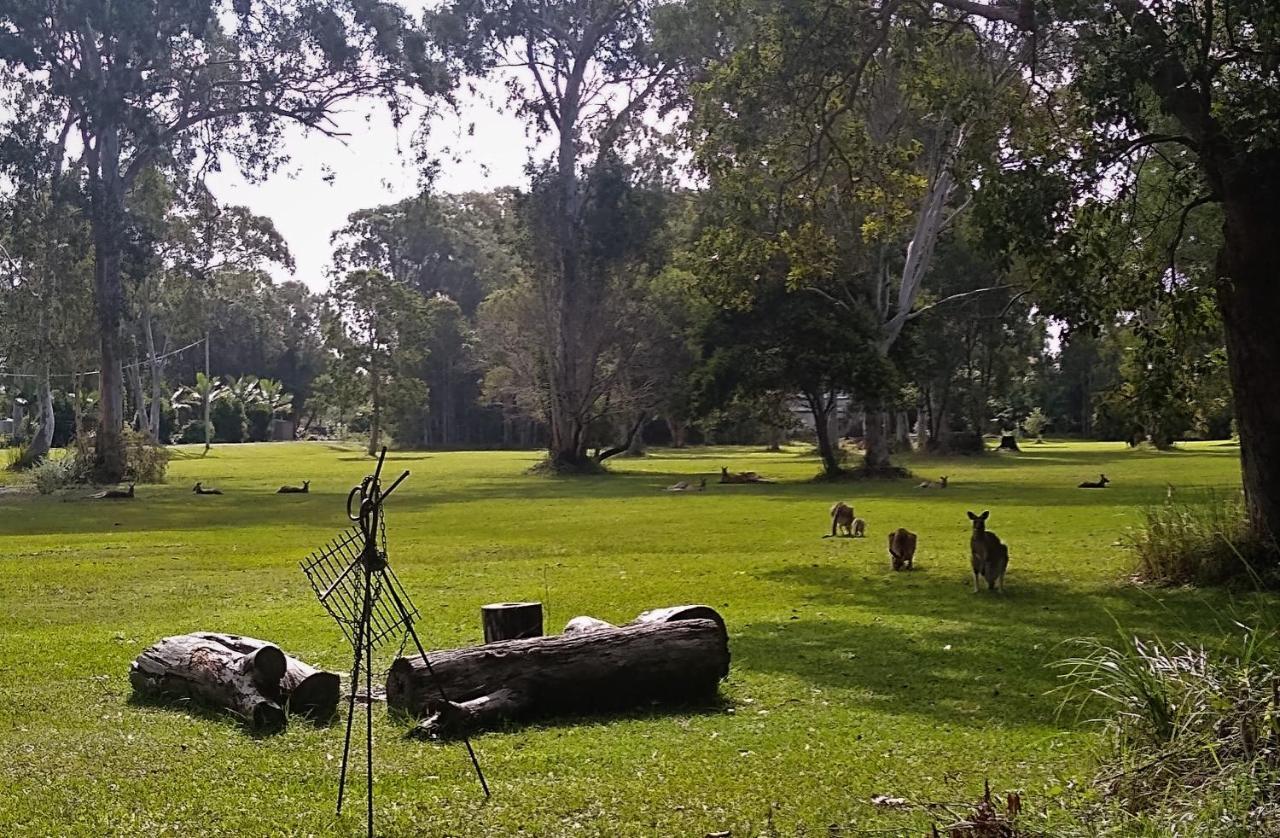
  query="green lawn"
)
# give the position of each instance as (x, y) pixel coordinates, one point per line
(847, 680)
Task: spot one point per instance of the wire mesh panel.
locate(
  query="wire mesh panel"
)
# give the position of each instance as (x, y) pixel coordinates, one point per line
(336, 573)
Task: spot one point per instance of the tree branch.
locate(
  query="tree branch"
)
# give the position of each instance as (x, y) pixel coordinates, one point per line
(953, 298)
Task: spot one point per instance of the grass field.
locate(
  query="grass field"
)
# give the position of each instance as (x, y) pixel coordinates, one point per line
(848, 680)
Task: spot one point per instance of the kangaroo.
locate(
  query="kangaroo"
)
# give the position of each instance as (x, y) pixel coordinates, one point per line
(902, 548)
(859, 527)
(1100, 484)
(741, 477)
(929, 484)
(686, 486)
(841, 517)
(114, 494)
(295, 490)
(201, 490)
(990, 557)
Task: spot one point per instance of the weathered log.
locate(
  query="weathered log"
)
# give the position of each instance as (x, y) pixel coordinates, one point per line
(604, 668)
(578, 625)
(511, 620)
(673, 613)
(214, 673)
(309, 691)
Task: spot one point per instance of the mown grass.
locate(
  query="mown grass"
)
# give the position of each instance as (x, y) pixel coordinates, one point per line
(848, 680)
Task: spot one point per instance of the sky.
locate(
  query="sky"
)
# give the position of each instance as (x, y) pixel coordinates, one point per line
(327, 179)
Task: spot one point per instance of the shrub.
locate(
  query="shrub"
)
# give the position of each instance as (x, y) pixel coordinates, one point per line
(229, 423)
(192, 433)
(1192, 744)
(1204, 541)
(145, 462)
(53, 474)
(260, 417)
(1035, 423)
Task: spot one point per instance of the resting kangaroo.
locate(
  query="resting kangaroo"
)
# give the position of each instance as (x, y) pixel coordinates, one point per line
(741, 477)
(842, 517)
(902, 548)
(1100, 484)
(929, 484)
(114, 494)
(990, 556)
(295, 490)
(201, 490)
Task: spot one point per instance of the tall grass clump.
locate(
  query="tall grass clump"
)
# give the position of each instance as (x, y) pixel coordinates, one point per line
(1203, 541)
(1192, 737)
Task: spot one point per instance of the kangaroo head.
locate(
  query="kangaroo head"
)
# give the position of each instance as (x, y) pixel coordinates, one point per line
(306, 484)
(724, 471)
(196, 488)
(943, 481)
(979, 521)
(1103, 479)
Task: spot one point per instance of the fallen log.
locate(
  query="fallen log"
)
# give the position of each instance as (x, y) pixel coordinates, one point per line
(309, 691)
(511, 620)
(213, 673)
(598, 669)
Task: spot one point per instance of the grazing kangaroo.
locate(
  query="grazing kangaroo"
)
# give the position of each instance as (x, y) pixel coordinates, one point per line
(686, 486)
(201, 490)
(842, 517)
(929, 484)
(114, 494)
(902, 548)
(295, 490)
(741, 477)
(859, 527)
(990, 557)
(1100, 484)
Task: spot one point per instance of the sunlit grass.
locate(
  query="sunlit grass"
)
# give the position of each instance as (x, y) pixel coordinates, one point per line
(848, 680)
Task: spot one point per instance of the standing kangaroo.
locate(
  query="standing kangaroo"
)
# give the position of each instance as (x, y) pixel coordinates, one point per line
(902, 548)
(990, 556)
(841, 517)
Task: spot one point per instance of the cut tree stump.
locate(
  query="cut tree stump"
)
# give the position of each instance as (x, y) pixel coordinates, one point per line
(311, 692)
(676, 655)
(1008, 442)
(511, 620)
(251, 678)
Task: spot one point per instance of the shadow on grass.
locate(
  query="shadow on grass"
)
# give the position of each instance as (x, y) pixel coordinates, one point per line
(222, 715)
(928, 646)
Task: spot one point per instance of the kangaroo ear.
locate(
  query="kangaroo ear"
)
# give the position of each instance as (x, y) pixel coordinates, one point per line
(972, 517)
(986, 513)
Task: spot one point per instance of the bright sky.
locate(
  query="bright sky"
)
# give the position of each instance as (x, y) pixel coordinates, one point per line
(375, 165)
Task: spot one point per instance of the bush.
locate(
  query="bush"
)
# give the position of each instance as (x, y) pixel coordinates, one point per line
(53, 474)
(259, 423)
(1192, 742)
(192, 433)
(145, 462)
(229, 423)
(1204, 541)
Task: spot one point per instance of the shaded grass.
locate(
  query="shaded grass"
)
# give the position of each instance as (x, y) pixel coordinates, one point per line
(847, 680)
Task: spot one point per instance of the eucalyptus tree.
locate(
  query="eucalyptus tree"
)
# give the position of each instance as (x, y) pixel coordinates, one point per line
(181, 84)
(586, 74)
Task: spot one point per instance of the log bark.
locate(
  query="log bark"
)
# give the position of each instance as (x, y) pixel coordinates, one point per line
(309, 691)
(674, 656)
(511, 620)
(213, 673)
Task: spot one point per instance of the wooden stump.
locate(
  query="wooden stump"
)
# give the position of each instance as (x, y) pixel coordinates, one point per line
(511, 620)
(1008, 442)
(665, 657)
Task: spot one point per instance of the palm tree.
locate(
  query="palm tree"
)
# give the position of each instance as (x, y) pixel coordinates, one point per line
(273, 396)
(206, 391)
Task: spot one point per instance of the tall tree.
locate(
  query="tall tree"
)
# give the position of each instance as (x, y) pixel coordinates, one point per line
(590, 72)
(174, 84)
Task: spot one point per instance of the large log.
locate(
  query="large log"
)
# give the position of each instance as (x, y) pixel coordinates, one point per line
(309, 691)
(511, 620)
(604, 668)
(214, 673)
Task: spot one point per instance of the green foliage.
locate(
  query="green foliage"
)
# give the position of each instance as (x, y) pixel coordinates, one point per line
(1192, 746)
(54, 473)
(1035, 423)
(145, 462)
(192, 432)
(258, 418)
(1203, 540)
(229, 422)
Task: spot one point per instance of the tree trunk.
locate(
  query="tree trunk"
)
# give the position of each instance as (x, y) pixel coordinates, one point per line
(107, 220)
(821, 409)
(206, 405)
(678, 432)
(1249, 297)
(157, 373)
(42, 436)
(511, 620)
(215, 673)
(902, 431)
(876, 456)
(139, 397)
(636, 447)
(375, 396)
(600, 669)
